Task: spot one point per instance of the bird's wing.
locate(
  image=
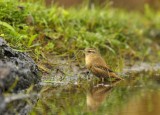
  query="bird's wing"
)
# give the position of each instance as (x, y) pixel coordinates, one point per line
(105, 68)
(100, 71)
(103, 71)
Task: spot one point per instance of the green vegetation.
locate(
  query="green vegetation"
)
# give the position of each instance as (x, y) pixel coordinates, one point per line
(41, 31)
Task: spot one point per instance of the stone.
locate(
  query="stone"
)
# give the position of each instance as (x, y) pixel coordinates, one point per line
(17, 70)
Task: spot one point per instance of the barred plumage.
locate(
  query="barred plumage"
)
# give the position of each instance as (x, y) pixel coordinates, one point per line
(96, 64)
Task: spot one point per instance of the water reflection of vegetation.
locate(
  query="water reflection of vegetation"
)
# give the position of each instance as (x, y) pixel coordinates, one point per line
(97, 98)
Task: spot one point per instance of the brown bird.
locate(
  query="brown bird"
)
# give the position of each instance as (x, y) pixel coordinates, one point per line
(96, 64)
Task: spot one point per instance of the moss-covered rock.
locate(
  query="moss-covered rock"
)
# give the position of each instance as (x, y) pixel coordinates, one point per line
(17, 70)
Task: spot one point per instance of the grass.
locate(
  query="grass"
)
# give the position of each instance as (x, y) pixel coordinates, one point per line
(41, 31)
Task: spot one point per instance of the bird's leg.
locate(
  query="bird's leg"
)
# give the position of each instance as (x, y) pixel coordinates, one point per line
(102, 80)
(110, 80)
(87, 74)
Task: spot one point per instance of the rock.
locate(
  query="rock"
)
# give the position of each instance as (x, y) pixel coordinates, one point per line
(17, 70)
(20, 104)
(2, 104)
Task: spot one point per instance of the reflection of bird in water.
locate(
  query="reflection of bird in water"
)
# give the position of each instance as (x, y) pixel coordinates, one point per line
(96, 96)
(96, 64)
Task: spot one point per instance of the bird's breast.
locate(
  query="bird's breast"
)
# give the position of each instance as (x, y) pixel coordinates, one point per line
(88, 61)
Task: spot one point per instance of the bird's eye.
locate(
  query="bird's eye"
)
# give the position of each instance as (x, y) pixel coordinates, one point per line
(90, 51)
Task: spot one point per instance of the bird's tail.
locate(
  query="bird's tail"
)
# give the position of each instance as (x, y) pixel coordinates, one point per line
(114, 75)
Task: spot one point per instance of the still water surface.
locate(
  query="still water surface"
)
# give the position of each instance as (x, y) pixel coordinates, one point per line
(137, 96)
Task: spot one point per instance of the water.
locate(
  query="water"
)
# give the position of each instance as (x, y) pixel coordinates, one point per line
(146, 102)
(137, 95)
(82, 94)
